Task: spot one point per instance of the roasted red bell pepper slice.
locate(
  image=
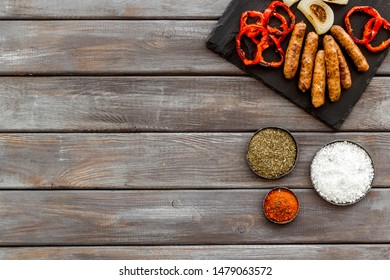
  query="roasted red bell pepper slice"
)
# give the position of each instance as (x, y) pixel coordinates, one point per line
(253, 15)
(254, 31)
(254, 25)
(274, 41)
(271, 12)
(371, 28)
(382, 46)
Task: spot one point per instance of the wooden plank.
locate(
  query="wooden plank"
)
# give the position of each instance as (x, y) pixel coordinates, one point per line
(168, 104)
(159, 160)
(219, 217)
(216, 252)
(108, 47)
(103, 9)
(112, 48)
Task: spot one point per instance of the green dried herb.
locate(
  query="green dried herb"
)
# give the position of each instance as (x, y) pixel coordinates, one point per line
(272, 152)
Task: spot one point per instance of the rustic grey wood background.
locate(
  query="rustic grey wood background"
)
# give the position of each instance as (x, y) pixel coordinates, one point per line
(123, 137)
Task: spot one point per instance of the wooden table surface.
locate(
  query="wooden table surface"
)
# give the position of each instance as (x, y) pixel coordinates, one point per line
(124, 137)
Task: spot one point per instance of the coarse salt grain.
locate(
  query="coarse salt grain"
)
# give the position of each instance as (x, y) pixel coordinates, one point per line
(342, 172)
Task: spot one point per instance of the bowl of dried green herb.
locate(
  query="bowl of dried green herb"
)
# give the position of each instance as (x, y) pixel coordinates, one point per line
(272, 152)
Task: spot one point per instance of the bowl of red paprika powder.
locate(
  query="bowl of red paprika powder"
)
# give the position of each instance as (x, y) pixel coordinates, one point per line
(280, 205)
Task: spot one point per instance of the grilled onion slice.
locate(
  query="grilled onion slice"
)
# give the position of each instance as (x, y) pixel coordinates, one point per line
(318, 13)
(289, 3)
(339, 2)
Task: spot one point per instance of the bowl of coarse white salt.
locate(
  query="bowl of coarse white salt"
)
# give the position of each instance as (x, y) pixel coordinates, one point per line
(342, 172)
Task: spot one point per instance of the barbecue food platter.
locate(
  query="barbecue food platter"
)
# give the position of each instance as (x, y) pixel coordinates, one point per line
(222, 40)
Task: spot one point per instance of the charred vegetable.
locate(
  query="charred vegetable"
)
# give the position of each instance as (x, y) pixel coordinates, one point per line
(318, 13)
(340, 2)
(289, 3)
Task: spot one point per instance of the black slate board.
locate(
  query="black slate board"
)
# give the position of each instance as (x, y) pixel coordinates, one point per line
(222, 41)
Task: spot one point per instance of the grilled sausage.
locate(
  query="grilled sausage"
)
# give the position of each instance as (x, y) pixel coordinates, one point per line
(349, 45)
(319, 80)
(307, 61)
(293, 51)
(345, 74)
(332, 68)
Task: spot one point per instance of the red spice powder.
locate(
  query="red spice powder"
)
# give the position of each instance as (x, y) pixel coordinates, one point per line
(280, 205)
